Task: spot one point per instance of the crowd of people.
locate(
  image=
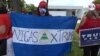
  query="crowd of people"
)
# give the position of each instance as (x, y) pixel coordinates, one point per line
(92, 18)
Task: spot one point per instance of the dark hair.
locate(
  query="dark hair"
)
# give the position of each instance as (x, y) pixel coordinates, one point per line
(73, 13)
(3, 10)
(46, 14)
(91, 14)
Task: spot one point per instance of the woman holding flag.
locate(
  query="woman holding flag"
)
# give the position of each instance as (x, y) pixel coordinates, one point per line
(91, 20)
(42, 9)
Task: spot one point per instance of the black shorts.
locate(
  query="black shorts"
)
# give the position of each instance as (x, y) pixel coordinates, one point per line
(3, 47)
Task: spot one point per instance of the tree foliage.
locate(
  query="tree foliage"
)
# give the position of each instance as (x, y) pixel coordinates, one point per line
(22, 3)
(18, 5)
(30, 7)
(96, 1)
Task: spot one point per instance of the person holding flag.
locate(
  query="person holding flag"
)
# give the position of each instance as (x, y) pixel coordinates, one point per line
(5, 29)
(91, 20)
(42, 9)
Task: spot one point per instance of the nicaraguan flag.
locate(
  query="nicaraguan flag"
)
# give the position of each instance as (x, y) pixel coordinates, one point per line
(42, 35)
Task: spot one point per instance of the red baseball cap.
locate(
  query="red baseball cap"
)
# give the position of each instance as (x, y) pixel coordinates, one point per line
(43, 4)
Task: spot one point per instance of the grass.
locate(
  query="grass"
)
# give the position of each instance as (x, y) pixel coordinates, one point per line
(76, 50)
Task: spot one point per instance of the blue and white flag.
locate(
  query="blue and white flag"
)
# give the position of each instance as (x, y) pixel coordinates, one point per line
(42, 35)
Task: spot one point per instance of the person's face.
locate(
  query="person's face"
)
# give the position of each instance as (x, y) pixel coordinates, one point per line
(42, 11)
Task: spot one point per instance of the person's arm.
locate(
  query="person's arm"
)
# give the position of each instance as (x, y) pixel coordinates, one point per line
(81, 24)
(2, 26)
(2, 29)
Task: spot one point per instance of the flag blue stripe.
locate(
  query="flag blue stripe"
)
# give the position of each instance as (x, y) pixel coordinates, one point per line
(44, 22)
(42, 50)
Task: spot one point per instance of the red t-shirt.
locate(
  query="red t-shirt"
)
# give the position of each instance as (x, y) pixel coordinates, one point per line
(5, 20)
(89, 23)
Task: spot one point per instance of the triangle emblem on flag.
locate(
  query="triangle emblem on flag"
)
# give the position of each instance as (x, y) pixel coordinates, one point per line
(44, 37)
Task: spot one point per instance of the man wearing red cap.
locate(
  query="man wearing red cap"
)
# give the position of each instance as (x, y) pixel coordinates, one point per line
(42, 9)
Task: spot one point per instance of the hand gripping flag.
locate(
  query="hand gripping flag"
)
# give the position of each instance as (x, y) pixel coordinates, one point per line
(42, 35)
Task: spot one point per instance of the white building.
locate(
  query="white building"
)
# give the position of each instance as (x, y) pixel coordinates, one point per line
(66, 10)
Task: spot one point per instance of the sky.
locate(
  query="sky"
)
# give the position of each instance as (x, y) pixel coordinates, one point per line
(83, 3)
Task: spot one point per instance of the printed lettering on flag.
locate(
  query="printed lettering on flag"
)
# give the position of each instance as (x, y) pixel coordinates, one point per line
(42, 36)
(90, 37)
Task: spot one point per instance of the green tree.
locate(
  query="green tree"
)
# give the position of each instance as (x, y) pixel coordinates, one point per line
(30, 7)
(3, 2)
(96, 1)
(19, 4)
(16, 5)
(22, 3)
